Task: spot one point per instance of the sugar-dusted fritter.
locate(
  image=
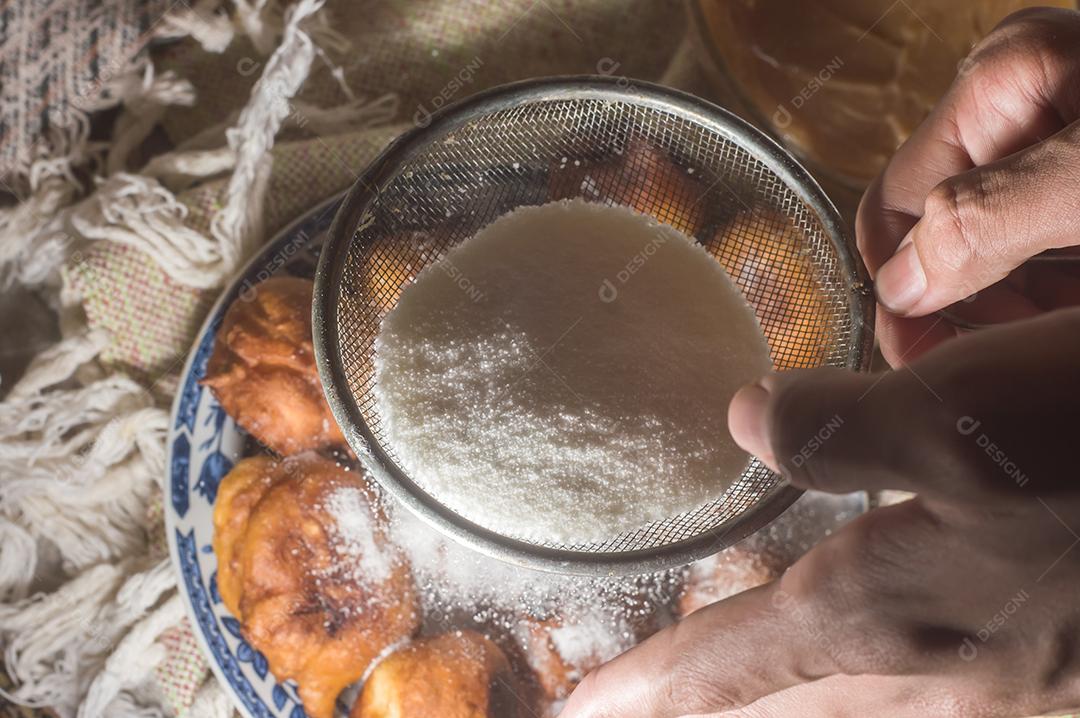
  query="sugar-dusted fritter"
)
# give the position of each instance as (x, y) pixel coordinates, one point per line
(310, 573)
(460, 674)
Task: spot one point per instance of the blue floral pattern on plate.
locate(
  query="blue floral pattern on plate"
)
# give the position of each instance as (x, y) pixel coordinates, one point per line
(204, 444)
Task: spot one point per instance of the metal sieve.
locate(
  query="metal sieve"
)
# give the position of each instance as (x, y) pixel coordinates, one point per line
(683, 160)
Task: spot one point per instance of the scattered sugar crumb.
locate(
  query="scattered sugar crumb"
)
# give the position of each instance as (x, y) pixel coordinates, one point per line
(592, 638)
(355, 527)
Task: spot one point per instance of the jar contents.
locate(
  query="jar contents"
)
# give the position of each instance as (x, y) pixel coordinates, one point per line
(845, 82)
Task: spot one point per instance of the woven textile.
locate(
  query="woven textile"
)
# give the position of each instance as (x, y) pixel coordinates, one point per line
(152, 319)
(412, 49)
(430, 52)
(425, 53)
(56, 57)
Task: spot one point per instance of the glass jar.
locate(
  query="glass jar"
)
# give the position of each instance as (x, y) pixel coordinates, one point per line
(841, 82)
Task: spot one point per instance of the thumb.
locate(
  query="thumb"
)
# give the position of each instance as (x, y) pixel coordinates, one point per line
(832, 430)
(987, 414)
(978, 226)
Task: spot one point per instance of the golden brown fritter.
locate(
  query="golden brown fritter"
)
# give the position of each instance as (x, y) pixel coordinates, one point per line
(562, 649)
(729, 572)
(557, 677)
(643, 178)
(391, 265)
(263, 372)
(765, 253)
(455, 675)
(318, 588)
(236, 496)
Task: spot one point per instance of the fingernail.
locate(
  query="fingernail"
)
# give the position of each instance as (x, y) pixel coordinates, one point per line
(901, 281)
(748, 422)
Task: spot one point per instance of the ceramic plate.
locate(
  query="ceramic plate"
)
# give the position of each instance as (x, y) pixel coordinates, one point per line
(204, 443)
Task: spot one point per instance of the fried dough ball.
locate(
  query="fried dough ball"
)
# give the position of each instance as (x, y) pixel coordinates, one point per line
(392, 265)
(725, 574)
(561, 651)
(455, 675)
(237, 495)
(311, 575)
(763, 251)
(643, 178)
(263, 372)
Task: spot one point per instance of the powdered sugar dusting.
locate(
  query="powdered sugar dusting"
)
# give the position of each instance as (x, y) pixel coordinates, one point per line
(457, 582)
(356, 529)
(587, 620)
(567, 381)
(592, 638)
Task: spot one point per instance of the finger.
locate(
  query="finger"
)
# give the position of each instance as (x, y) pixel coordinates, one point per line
(1011, 92)
(831, 429)
(984, 415)
(843, 696)
(978, 226)
(1028, 292)
(903, 340)
(719, 658)
(833, 612)
(997, 304)
(893, 696)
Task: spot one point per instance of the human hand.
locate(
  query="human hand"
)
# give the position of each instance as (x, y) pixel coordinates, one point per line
(989, 180)
(964, 601)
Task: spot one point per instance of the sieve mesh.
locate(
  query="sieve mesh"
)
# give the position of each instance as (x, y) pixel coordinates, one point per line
(682, 161)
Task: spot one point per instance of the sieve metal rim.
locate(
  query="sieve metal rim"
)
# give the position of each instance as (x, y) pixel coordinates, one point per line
(365, 190)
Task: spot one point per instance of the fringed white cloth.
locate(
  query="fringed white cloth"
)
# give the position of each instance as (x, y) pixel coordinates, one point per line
(211, 702)
(202, 21)
(33, 237)
(355, 114)
(82, 450)
(56, 364)
(137, 650)
(145, 97)
(179, 170)
(137, 211)
(258, 20)
(81, 462)
(66, 647)
(18, 561)
(79, 466)
(239, 223)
